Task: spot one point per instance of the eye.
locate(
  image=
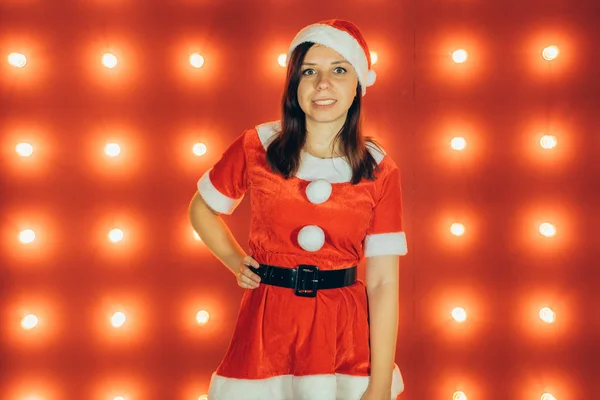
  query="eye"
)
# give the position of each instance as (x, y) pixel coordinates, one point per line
(308, 71)
(340, 70)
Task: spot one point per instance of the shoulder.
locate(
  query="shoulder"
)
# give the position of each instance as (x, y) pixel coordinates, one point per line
(385, 163)
(261, 135)
(255, 139)
(267, 131)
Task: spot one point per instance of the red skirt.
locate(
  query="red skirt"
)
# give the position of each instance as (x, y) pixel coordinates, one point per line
(286, 347)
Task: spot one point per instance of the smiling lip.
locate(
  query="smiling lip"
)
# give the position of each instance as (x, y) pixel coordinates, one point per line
(325, 103)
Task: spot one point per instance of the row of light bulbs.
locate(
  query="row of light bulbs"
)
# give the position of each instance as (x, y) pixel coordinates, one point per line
(459, 395)
(203, 397)
(546, 229)
(110, 60)
(116, 235)
(547, 142)
(25, 149)
(118, 318)
(31, 321)
(546, 314)
(28, 236)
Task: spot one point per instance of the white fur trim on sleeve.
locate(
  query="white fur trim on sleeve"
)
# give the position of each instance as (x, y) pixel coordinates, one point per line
(215, 199)
(386, 244)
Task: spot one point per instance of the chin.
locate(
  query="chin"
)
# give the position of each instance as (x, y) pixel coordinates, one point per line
(326, 116)
(324, 119)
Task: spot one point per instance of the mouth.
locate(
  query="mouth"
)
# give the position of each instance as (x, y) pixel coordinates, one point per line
(324, 102)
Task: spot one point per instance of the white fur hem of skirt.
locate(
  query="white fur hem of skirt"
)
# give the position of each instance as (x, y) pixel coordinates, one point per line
(289, 387)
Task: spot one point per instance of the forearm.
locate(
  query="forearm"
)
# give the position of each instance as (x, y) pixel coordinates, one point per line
(383, 316)
(215, 234)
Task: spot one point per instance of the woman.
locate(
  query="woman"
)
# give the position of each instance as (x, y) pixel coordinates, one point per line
(323, 198)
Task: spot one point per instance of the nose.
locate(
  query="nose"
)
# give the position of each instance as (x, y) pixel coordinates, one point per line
(323, 83)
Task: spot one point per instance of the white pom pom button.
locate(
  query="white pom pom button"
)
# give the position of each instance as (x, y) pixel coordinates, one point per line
(311, 238)
(318, 191)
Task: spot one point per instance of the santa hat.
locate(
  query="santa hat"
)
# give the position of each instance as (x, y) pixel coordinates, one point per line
(345, 38)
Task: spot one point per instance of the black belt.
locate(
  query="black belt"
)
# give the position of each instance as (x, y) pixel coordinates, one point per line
(306, 280)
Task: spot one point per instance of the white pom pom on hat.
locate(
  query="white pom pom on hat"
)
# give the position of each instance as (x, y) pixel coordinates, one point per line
(345, 38)
(372, 77)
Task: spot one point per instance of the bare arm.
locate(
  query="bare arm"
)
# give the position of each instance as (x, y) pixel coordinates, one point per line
(382, 289)
(215, 234)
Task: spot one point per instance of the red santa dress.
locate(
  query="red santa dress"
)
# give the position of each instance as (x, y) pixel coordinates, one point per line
(287, 347)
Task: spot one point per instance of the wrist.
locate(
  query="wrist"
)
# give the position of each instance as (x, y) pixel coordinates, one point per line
(234, 261)
(380, 385)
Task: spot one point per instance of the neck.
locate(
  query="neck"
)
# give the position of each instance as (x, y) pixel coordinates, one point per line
(320, 137)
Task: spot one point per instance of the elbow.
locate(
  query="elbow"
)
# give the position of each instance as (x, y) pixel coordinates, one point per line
(384, 286)
(194, 206)
(198, 210)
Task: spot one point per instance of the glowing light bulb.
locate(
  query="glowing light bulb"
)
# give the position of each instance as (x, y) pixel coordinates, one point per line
(282, 60)
(17, 60)
(26, 236)
(119, 398)
(457, 229)
(203, 397)
(459, 396)
(29, 321)
(547, 229)
(202, 317)
(112, 149)
(459, 314)
(458, 143)
(196, 60)
(199, 149)
(548, 142)
(24, 149)
(550, 53)
(547, 315)
(33, 397)
(115, 235)
(118, 319)
(196, 236)
(374, 57)
(547, 396)
(109, 60)
(459, 56)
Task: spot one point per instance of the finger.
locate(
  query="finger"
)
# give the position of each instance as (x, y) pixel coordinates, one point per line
(248, 281)
(246, 285)
(250, 274)
(254, 277)
(251, 261)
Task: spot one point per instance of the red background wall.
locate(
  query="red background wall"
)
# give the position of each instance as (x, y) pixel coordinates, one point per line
(502, 186)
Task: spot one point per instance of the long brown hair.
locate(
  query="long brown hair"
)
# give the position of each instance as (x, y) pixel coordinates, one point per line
(283, 154)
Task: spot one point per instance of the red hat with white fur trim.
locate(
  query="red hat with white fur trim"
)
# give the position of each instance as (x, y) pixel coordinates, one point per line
(345, 38)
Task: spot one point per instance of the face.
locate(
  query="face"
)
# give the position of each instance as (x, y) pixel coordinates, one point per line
(327, 86)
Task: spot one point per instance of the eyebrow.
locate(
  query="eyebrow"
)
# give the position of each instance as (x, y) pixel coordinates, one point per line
(333, 63)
